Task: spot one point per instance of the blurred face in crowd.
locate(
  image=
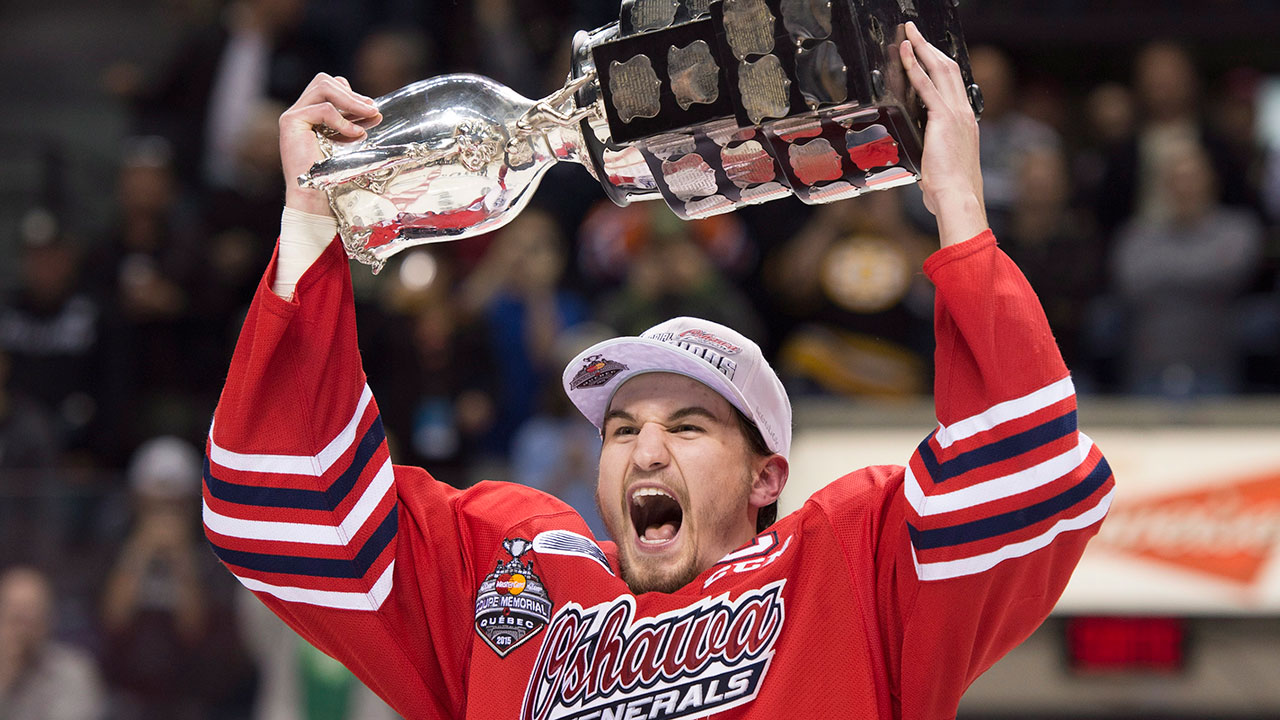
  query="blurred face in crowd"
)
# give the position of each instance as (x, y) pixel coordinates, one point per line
(1189, 178)
(679, 487)
(1110, 110)
(145, 189)
(49, 272)
(537, 250)
(433, 331)
(669, 264)
(1166, 81)
(278, 15)
(388, 61)
(993, 73)
(26, 603)
(1043, 179)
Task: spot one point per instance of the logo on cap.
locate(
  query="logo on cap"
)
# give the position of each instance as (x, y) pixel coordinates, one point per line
(702, 344)
(596, 371)
(702, 337)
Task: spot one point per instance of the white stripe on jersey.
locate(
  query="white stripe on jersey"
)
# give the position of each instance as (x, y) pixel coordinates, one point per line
(946, 569)
(371, 600)
(339, 534)
(1005, 411)
(314, 465)
(996, 488)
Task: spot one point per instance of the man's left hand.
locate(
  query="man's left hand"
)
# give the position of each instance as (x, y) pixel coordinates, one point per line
(951, 176)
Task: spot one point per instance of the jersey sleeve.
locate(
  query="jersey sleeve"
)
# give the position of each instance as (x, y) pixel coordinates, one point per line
(303, 504)
(977, 536)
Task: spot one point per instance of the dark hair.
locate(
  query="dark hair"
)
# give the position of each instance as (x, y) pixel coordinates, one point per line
(755, 443)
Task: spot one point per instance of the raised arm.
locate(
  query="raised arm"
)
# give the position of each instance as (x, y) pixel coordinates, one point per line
(301, 501)
(998, 502)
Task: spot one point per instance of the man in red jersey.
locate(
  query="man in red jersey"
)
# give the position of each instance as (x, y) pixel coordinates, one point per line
(884, 596)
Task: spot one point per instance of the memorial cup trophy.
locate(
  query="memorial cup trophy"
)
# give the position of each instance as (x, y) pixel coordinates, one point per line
(708, 104)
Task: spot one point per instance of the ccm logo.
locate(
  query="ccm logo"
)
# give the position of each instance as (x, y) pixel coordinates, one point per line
(761, 554)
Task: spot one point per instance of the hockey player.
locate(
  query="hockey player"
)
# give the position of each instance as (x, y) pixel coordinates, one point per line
(884, 596)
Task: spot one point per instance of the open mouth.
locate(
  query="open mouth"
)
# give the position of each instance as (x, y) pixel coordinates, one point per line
(655, 515)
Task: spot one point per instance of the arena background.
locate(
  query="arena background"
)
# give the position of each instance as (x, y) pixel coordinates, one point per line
(1132, 163)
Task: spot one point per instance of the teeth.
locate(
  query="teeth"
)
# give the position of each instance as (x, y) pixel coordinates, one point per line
(646, 541)
(648, 492)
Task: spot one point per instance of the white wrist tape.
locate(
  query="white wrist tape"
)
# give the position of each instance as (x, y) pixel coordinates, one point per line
(303, 238)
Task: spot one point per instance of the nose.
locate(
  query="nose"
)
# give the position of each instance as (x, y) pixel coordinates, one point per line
(650, 451)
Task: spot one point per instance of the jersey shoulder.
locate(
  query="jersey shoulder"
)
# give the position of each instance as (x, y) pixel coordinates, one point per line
(861, 491)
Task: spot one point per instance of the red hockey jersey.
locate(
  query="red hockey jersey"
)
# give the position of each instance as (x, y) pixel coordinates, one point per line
(884, 596)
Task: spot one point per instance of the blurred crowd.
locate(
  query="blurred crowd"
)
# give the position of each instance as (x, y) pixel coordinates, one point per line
(1145, 213)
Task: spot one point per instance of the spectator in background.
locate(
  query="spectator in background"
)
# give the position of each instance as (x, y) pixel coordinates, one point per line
(420, 342)
(390, 59)
(1234, 118)
(670, 277)
(1109, 111)
(40, 678)
(1045, 100)
(170, 653)
(210, 91)
(851, 274)
(28, 440)
(670, 267)
(1056, 249)
(518, 292)
(51, 329)
(518, 38)
(236, 219)
(1167, 87)
(611, 238)
(29, 453)
(147, 269)
(1006, 133)
(1180, 277)
(246, 205)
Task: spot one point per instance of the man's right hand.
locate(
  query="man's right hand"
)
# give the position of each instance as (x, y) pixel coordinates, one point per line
(330, 102)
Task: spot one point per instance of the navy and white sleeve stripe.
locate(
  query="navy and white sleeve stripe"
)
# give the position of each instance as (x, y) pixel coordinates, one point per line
(315, 529)
(1002, 484)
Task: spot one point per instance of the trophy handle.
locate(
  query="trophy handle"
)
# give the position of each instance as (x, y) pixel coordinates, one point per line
(546, 114)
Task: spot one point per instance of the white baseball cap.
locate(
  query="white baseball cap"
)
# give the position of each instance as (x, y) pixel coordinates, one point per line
(716, 356)
(165, 467)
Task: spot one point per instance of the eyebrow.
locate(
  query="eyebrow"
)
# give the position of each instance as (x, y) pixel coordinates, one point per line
(681, 414)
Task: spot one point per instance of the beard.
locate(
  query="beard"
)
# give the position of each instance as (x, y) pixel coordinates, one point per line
(666, 575)
(641, 580)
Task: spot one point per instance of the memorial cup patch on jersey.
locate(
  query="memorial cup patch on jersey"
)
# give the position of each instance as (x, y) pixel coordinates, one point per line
(512, 605)
(596, 371)
(693, 661)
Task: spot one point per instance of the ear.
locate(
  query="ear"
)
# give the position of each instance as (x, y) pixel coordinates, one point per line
(769, 479)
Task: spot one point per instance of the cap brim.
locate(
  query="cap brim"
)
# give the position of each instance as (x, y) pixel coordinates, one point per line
(638, 356)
